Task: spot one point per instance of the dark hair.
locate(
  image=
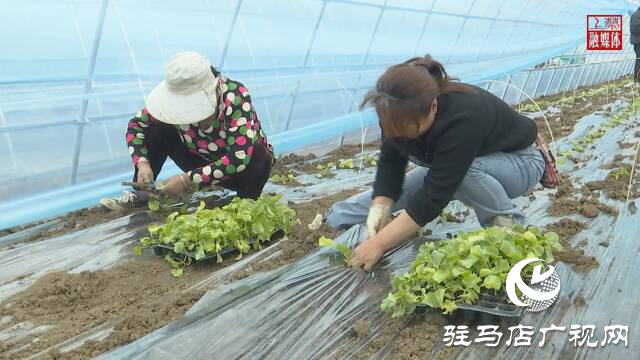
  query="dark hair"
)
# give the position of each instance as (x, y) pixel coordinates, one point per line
(405, 92)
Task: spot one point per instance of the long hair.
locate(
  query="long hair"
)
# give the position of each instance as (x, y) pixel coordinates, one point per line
(404, 93)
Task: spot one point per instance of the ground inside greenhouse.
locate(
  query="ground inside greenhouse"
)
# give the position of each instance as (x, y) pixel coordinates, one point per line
(65, 304)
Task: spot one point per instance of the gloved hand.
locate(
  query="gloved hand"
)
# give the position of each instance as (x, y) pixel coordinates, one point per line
(379, 217)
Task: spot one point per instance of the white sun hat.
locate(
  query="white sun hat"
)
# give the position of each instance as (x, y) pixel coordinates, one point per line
(187, 95)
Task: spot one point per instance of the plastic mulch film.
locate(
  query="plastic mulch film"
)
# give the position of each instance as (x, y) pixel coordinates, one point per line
(307, 309)
(280, 314)
(94, 248)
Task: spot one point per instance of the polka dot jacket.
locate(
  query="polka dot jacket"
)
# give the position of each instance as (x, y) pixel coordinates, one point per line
(227, 144)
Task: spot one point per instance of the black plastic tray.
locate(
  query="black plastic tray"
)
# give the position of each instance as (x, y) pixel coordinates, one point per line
(163, 249)
(488, 304)
(494, 305)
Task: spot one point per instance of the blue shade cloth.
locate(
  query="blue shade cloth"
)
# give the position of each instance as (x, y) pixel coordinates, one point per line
(73, 73)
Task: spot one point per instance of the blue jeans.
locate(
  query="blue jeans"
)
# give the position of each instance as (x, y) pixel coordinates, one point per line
(490, 184)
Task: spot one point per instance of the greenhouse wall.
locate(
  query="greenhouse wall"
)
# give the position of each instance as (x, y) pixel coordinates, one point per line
(66, 95)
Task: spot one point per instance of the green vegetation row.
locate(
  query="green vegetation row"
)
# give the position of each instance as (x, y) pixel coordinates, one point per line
(454, 271)
(208, 232)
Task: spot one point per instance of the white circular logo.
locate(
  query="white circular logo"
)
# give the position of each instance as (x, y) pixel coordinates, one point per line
(546, 286)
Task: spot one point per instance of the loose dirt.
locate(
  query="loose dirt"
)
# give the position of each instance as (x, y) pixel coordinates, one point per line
(566, 230)
(616, 184)
(73, 221)
(135, 298)
(361, 329)
(284, 164)
(301, 240)
(407, 338)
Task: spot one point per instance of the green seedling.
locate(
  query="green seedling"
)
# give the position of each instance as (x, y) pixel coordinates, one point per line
(342, 248)
(325, 170)
(458, 270)
(284, 179)
(209, 231)
(345, 164)
(371, 160)
(618, 173)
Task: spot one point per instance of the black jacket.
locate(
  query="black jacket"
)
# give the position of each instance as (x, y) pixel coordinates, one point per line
(467, 125)
(634, 27)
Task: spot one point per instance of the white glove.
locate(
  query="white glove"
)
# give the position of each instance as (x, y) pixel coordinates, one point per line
(379, 217)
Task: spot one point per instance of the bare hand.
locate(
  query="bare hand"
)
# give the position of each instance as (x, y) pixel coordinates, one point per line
(174, 186)
(145, 174)
(366, 255)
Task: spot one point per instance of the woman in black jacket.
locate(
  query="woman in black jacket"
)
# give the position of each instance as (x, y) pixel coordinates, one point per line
(469, 145)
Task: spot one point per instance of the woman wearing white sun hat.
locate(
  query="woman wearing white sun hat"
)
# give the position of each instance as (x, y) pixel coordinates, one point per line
(206, 123)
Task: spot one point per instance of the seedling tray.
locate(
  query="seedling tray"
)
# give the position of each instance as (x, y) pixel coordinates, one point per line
(494, 305)
(164, 249)
(489, 304)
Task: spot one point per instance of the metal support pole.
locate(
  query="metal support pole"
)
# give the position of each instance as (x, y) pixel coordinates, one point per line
(603, 74)
(570, 85)
(85, 53)
(7, 136)
(595, 62)
(524, 86)
(535, 90)
(504, 47)
(455, 42)
(305, 62)
(424, 27)
(619, 69)
(366, 56)
(225, 50)
(506, 87)
(486, 36)
(546, 91)
(613, 69)
(373, 37)
(129, 48)
(88, 87)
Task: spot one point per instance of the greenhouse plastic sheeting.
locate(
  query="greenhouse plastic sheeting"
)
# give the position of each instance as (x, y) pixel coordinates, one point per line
(80, 69)
(317, 299)
(306, 310)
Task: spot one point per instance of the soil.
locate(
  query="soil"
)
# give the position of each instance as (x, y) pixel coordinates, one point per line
(590, 211)
(344, 152)
(350, 150)
(301, 240)
(453, 218)
(565, 188)
(73, 221)
(616, 188)
(361, 329)
(588, 207)
(625, 145)
(564, 202)
(580, 302)
(566, 230)
(409, 338)
(140, 296)
(420, 339)
(136, 297)
(562, 123)
(283, 164)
